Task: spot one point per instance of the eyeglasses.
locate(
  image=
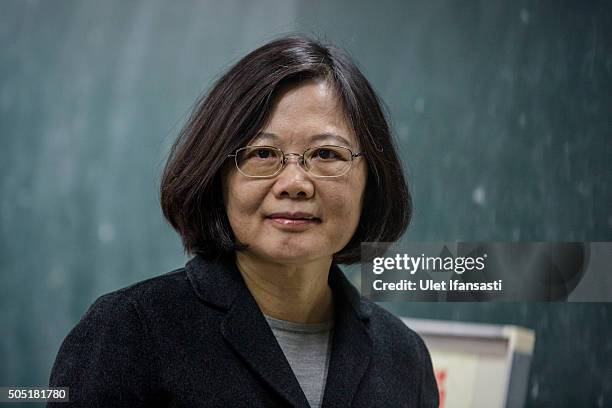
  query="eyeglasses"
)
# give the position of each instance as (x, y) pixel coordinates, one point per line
(320, 161)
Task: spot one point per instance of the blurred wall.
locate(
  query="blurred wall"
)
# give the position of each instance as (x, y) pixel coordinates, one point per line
(501, 110)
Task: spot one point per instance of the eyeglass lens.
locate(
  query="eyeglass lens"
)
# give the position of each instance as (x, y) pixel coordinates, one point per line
(326, 161)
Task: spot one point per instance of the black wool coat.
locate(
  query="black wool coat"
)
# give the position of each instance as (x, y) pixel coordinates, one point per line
(195, 337)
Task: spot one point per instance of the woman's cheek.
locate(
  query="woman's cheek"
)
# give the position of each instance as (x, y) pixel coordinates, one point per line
(248, 199)
(343, 213)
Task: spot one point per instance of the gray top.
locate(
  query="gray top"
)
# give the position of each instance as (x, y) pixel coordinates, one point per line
(307, 349)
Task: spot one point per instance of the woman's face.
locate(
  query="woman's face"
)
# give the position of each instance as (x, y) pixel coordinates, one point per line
(270, 214)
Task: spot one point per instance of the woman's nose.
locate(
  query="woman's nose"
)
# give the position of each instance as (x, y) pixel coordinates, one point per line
(293, 181)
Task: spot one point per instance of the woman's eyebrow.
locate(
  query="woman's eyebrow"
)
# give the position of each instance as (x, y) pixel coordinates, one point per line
(314, 138)
(264, 135)
(325, 136)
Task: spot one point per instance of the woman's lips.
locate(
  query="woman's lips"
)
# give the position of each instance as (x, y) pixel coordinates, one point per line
(293, 221)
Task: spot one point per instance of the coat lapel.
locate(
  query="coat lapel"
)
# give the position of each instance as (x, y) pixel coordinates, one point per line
(248, 333)
(245, 328)
(351, 346)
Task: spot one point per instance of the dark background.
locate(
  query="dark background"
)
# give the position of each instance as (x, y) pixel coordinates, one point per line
(502, 111)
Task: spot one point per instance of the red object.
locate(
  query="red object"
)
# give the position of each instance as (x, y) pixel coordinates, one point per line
(440, 377)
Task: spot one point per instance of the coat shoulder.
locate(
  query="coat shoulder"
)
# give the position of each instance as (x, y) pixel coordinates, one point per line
(127, 308)
(108, 358)
(171, 283)
(160, 291)
(147, 306)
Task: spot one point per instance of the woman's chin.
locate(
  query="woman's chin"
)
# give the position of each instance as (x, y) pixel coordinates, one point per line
(291, 253)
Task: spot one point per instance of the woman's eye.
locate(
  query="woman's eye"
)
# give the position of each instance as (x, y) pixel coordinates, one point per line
(326, 154)
(262, 153)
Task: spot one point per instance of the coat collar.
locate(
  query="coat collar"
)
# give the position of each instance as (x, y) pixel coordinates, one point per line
(219, 282)
(244, 327)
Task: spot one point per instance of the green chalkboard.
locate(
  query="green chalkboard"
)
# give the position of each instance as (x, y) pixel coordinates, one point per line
(501, 111)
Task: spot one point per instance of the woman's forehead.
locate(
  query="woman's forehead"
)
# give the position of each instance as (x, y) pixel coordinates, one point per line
(306, 114)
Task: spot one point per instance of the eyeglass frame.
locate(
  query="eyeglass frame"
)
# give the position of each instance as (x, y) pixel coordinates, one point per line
(300, 157)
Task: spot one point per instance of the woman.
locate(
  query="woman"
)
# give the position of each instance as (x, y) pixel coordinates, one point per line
(283, 169)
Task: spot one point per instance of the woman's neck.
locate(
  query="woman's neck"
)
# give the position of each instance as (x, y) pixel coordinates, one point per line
(297, 293)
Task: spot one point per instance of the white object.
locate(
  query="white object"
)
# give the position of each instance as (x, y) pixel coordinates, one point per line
(478, 365)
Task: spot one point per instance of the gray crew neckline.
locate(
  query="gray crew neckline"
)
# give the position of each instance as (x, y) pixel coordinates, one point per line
(296, 327)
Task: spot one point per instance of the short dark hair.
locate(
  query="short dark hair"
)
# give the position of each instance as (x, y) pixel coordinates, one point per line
(237, 107)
